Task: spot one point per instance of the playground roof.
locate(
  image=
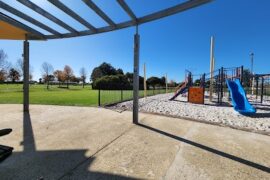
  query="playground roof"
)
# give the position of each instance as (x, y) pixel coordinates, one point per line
(11, 28)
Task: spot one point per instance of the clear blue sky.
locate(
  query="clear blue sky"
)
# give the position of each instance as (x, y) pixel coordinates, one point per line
(169, 45)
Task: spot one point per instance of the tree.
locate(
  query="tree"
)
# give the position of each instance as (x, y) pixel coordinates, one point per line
(59, 75)
(14, 75)
(103, 70)
(120, 71)
(154, 81)
(4, 66)
(112, 82)
(47, 70)
(83, 75)
(19, 67)
(247, 75)
(68, 73)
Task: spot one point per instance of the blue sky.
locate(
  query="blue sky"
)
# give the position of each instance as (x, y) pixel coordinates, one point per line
(169, 45)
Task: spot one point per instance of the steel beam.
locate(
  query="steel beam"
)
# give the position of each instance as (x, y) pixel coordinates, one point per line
(136, 77)
(20, 25)
(99, 12)
(28, 18)
(47, 15)
(26, 76)
(124, 5)
(172, 10)
(112, 26)
(72, 14)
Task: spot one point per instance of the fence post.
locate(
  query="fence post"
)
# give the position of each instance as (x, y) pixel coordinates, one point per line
(257, 86)
(121, 95)
(262, 89)
(221, 85)
(99, 104)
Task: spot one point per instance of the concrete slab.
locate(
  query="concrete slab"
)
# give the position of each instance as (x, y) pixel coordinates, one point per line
(56, 142)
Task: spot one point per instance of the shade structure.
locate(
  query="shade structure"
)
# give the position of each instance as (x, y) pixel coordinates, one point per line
(12, 29)
(111, 25)
(8, 31)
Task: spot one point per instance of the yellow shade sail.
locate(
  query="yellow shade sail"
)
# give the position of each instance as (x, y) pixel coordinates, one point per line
(11, 32)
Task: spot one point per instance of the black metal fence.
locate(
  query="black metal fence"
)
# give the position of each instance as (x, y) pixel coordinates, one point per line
(107, 97)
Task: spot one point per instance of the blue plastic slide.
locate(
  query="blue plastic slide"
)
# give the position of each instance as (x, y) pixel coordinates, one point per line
(239, 98)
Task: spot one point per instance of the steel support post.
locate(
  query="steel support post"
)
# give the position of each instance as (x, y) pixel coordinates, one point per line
(26, 76)
(136, 77)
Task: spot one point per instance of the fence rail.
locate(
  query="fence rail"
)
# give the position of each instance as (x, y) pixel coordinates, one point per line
(107, 97)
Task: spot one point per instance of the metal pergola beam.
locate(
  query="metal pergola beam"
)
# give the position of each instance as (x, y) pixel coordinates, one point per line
(35, 34)
(99, 12)
(126, 8)
(171, 11)
(28, 18)
(47, 15)
(152, 17)
(72, 14)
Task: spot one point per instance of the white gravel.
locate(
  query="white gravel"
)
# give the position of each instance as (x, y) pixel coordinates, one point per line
(210, 112)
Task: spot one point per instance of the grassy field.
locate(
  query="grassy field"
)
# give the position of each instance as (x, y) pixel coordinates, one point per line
(74, 96)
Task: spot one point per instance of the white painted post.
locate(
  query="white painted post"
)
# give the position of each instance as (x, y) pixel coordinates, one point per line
(166, 83)
(211, 68)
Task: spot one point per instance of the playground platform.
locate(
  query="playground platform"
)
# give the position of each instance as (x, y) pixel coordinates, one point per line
(57, 142)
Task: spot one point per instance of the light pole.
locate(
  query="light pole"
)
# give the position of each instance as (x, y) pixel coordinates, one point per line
(252, 72)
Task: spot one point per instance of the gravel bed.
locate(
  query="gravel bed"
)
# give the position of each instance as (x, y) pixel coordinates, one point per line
(210, 112)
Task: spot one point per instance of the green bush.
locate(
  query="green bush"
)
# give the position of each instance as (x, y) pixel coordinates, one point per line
(112, 82)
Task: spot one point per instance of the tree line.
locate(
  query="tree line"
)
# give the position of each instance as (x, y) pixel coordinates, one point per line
(105, 76)
(9, 72)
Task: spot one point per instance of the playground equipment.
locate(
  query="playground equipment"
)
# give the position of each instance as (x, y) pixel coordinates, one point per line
(218, 79)
(239, 98)
(262, 84)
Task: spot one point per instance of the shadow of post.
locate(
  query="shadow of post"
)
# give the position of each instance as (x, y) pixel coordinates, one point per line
(32, 163)
(28, 134)
(209, 149)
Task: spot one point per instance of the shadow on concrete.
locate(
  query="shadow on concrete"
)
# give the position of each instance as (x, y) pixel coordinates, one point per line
(209, 149)
(49, 164)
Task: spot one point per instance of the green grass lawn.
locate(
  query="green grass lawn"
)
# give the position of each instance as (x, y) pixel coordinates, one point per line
(74, 96)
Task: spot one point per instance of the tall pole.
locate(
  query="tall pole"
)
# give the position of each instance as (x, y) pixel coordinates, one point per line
(252, 71)
(26, 75)
(211, 68)
(166, 81)
(136, 77)
(144, 82)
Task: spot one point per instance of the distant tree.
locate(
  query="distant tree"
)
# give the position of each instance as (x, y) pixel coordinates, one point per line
(129, 77)
(247, 76)
(172, 83)
(47, 70)
(154, 81)
(103, 70)
(112, 82)
(163, 81)
(14, 75)
(197, 82)
(68, 73)
(19, 67)
(59, 75)
(39, 80)
(120, 71)
(4, 66)
(83, 74)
